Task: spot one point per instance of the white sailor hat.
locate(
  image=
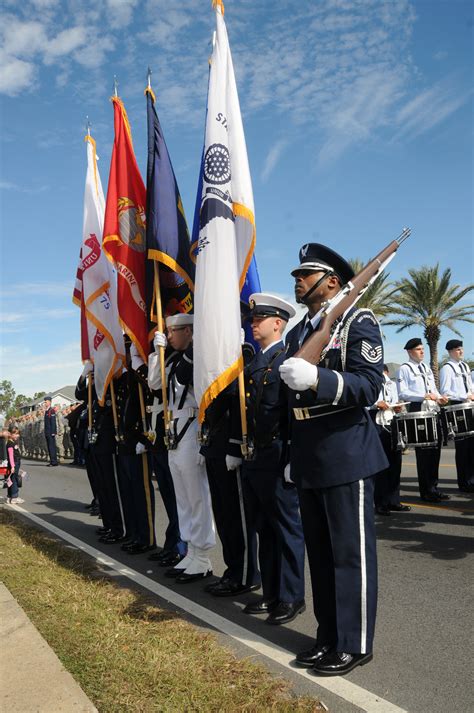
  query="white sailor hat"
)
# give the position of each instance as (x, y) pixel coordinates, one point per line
(180, 320)
(263, 304)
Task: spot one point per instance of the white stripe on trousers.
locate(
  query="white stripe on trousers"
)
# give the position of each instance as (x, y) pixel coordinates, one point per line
(244, 527)
(363, 572)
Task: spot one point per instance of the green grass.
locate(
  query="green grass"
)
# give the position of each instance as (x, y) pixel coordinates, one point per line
(127, 653)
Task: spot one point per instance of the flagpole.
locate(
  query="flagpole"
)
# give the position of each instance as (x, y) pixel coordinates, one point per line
(159, 319)
(159, 312)
(246, 449)
(89, 401)
(114, 410)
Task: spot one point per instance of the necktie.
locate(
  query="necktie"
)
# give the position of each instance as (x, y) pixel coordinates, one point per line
(308, 331)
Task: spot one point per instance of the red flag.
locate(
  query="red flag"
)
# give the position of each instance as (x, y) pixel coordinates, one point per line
(124, 231)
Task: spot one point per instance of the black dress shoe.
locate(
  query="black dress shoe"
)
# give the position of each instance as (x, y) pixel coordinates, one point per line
(216, 583)
(158, 556)
(112, 539)
(430, 498)
(186, 578)
(382, 510)
(231, 589)
(173, 572)
(127, 544)
(171, 561)
(307, 659)
(442, 496)
(286, 612)
(399, 508)
(103, 531)
(137, 549)
(337, 663)
(261, 606)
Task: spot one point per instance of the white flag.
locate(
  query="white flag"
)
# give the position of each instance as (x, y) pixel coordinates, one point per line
(99, 285)
(227, 231)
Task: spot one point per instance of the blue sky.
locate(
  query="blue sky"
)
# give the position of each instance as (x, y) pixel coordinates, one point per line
(358, 120)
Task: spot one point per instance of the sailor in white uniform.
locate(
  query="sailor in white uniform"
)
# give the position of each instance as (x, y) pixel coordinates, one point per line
(186, 464)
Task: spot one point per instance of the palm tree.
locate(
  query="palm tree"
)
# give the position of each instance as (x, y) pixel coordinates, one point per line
(377, 297)
(428, 300)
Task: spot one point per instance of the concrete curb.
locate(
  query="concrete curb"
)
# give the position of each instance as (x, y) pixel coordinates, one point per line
(33, 679)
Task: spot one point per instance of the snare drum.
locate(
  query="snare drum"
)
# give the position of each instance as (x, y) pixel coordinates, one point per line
(460, 419)
(419, 429)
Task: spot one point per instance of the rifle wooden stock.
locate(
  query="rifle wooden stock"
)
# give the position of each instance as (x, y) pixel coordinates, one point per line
(314, 345)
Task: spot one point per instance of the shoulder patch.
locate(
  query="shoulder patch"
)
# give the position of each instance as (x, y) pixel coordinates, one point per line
(370, 353)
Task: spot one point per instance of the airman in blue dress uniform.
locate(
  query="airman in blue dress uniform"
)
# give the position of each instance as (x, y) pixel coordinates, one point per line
(272, 502)
(335, 453)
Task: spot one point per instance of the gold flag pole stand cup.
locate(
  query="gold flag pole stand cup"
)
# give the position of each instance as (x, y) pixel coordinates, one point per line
(246, 447)
(118, 437)
(159, 319)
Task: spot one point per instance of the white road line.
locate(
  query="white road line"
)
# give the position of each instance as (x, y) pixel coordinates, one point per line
(338, 685)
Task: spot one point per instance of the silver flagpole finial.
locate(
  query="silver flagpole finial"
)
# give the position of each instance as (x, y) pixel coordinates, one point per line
(88, 126)
(148, 75)
(115, 86)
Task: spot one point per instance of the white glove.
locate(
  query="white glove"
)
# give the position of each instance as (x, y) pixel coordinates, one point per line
(201, 460)
(242, 336)
(159, 341)
(299, 374)
(232, 463)
(287, 474)
(88, 368)
(137, 361)
(140, 448)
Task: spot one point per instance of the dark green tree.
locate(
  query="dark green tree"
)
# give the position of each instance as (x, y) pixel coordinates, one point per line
(377, 297)
(7, 396)
(429, 301)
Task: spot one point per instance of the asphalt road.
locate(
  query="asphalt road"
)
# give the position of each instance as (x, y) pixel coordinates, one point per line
(424, 640)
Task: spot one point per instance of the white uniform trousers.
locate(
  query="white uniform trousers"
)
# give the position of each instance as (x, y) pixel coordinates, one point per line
(191, 486)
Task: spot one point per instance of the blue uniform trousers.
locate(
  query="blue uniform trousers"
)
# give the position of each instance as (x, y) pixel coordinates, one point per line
(387, 482)
(108, 495)
(273, 512)
(238, 538)
(464, 461)
(339, 529)
(51, 444)
(173, 541)
(138, 498)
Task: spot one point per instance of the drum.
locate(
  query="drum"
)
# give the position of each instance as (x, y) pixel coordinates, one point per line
(418, 429)
(460, 419)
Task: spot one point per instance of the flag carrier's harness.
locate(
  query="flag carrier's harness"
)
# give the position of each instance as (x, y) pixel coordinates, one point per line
(172, 438)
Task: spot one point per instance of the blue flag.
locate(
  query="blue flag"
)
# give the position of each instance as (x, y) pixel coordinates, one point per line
(167, 236)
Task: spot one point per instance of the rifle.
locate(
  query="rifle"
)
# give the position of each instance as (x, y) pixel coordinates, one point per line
(347, 297)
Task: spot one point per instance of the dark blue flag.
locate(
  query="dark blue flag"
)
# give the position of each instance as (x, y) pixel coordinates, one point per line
(167, 233)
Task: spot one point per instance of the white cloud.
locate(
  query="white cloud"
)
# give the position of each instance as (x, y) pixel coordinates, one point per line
(64, 43)
(16, 75)
(272, 158)
(120, 12)
(9, 186)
